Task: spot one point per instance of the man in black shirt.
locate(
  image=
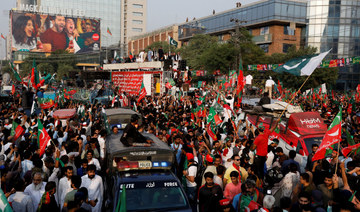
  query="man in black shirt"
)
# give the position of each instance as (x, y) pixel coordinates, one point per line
(131, 136)
(209, 194)
(263, 101)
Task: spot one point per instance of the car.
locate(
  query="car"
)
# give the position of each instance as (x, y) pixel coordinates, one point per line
(120, 117)
(144, 174)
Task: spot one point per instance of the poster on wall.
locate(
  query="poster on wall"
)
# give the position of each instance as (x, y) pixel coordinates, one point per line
(36, 32)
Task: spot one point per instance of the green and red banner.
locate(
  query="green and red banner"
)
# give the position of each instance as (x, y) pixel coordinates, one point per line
(332, 136)
(46, 103)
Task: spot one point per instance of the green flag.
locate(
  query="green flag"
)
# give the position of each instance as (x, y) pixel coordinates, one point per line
(302, 66)
(106, 121)
(4, 204)
(211, 115)
(245, 201)
(16, 74)
(13, 127)
(121, 205)
(173, 42)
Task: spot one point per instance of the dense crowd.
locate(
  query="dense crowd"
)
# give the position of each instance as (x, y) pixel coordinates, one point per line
(231, 171)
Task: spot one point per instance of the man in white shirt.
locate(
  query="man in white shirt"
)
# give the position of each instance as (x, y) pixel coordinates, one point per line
(64, 185)
(36, 189)
(91, 160)
(248, 83)
(190, 175)
(94, 184)
(26, 164)
(101, 140)
(269, 85)
(20, 202)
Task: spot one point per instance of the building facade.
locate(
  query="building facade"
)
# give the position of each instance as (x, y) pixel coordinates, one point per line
(122, 18)
(335, 24)
(275, 24)
(140, 42)
(133, 21)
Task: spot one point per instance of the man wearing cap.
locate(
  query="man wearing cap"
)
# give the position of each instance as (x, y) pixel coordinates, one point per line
(209, 194)
(261, 146)
(209, 168)
(190, 175)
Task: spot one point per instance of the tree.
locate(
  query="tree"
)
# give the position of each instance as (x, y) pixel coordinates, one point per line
(49, 64)
(218, 57)
(197, 45)
(62, 70)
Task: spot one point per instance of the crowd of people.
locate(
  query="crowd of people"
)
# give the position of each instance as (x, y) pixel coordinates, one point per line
(232, 170)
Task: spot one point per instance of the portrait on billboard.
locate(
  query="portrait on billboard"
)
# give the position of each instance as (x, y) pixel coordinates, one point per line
(47, 33)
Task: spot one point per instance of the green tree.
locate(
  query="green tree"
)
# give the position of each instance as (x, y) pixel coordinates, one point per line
(49, 64)
(62, 70)
(218, 57)
(198, 45)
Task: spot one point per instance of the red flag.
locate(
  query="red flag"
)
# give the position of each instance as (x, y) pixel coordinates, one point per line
(358, 88)
(32, 78)
(332, 136)
(348, 149)
(168, 85)
(142, 92)
(13, 90)
(210, 132)
(240, 82)
(46, 103)
(19, 131)
(2, 36)
(113, 101)
(43, 138)
(217, 119)
(279, 87)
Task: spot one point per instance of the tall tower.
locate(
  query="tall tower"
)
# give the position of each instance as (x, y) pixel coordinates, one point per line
(133, 21)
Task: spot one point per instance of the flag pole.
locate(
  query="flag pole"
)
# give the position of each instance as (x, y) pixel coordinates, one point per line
(337, 162)
(295, 95)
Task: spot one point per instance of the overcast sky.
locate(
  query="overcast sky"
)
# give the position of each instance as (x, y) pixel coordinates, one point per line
(160, 12)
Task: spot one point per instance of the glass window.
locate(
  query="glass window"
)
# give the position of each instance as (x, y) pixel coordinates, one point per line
(286, 47)
(137, 14)
(264, 30)
(137, 21)
(137, 5)
(264, 47)
(137, 29)
(288, 31)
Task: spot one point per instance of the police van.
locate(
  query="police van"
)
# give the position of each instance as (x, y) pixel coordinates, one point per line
(144, 175)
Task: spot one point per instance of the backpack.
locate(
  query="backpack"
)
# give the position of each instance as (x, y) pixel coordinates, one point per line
(199, 173)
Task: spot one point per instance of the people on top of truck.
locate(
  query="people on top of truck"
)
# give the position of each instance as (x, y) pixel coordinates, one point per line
(131, 135)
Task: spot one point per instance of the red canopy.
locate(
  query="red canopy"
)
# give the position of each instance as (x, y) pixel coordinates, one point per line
(64, 113)
(307, 123)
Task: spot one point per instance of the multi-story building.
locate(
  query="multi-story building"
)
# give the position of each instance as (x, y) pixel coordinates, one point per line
(123, 18)
(133, 21)
(140, 42)
(275, 24)
(334, 24)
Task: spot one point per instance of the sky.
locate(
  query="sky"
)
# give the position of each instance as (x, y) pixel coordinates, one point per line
(160, 13)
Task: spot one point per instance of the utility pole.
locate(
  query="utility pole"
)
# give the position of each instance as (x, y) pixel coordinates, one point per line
(237, 40)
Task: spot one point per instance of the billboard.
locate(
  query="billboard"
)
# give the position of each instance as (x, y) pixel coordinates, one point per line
(36, 32)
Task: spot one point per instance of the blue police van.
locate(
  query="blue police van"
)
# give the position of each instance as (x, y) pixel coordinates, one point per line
(144, 174)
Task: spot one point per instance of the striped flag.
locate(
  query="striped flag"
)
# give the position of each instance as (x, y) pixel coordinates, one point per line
(108, 31)
(142, 92)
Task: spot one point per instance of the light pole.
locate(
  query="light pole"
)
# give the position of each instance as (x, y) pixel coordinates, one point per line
(237, 40)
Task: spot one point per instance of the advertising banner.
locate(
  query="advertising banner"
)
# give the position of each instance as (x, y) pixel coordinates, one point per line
(36, 32)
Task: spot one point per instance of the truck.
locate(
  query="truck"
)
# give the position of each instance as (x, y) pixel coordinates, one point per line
(144, 174)
(298, 132)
